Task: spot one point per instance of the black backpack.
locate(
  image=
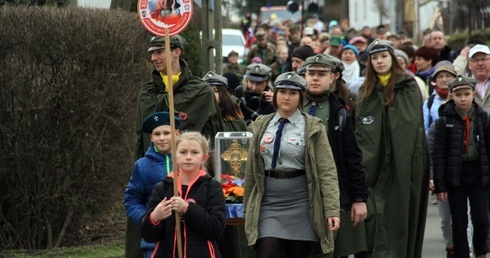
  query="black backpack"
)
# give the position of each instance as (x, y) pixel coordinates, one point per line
(430, 101)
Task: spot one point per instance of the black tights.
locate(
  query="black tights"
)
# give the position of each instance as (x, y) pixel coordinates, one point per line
(358, 255)
(269, 247)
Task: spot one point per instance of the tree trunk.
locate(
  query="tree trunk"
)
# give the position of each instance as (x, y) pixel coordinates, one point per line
(65, 225)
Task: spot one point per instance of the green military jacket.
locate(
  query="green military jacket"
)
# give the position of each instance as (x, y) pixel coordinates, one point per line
(266, 54)
(321, 176)
(394, 152)
(194, 104)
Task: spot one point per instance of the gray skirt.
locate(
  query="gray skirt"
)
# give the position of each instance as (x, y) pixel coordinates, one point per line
(284, 210)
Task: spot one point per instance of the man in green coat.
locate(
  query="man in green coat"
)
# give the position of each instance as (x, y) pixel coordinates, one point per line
(194, 104)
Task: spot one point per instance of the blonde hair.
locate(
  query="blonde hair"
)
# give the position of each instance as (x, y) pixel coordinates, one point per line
(281, 49)
(193, 136)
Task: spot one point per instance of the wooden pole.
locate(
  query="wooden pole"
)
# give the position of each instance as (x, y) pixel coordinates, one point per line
(171, 111)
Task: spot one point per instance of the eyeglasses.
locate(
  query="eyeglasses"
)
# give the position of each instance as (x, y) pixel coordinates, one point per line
(476, 60)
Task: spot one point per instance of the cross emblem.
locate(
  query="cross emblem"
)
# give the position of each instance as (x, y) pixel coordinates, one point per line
(235, 156)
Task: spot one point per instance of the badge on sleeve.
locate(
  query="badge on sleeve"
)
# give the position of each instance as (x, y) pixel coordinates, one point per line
(368, 120)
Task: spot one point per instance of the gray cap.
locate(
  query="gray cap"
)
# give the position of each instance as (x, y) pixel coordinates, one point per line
(290, 80)
(215, 79)
(379, 45)
(258, 72)
(321, 62)
(461, 82)
(158, 42)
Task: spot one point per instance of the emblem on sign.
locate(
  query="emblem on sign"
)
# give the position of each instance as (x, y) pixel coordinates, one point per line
(156, 15)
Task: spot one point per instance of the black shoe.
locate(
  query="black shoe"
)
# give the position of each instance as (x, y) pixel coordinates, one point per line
(449, 252)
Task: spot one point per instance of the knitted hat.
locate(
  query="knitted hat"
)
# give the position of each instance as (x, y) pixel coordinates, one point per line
(351, 47)
(233, 80)
(257, 60)
(303, 52)
(400, 54)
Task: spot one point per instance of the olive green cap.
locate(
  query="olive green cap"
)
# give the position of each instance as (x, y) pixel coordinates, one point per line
(379, 45)
(258, 72)
(461, 82)
(339, 66)
(321, 62)
(301, 70)
(215, 79)
(290, 80)
(158, 42)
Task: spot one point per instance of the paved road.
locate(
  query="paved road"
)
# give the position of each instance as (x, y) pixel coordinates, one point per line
(433, 243)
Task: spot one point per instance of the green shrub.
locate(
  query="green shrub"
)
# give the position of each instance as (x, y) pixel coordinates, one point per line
(68, 85)
(459, 39)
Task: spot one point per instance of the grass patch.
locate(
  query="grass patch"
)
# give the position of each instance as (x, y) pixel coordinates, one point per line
(109, 250)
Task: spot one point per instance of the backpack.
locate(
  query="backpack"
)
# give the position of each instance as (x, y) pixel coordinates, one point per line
(430, 101)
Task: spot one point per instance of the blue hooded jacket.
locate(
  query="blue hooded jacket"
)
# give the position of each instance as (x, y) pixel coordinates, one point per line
(147, 172)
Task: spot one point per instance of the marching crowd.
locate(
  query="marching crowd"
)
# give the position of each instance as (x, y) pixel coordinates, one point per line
(352, 130)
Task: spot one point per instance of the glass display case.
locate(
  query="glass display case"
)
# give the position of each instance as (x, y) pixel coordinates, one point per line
(231, 153)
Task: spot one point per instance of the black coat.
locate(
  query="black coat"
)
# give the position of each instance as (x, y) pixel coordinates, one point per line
(253, 104)
(449, 147)
(202, 224)
(347, 156)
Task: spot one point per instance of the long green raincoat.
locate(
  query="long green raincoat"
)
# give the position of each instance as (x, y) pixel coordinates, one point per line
(394, 149)
(194, 104)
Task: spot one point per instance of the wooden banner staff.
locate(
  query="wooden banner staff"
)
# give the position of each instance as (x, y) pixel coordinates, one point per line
(168, 60)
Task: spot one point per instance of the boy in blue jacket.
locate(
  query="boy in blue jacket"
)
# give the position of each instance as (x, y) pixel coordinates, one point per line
(150, 169)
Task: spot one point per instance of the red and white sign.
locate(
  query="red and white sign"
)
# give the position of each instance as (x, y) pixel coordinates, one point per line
(156, 15)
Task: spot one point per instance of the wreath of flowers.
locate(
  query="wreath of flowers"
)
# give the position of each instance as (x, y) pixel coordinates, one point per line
(232, 188)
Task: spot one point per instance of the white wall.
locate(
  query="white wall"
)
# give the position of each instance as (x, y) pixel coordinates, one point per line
(426, 14)
(94, 3)
(363, 13)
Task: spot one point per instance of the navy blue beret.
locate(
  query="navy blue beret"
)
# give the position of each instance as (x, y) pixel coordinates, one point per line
(157, 119)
